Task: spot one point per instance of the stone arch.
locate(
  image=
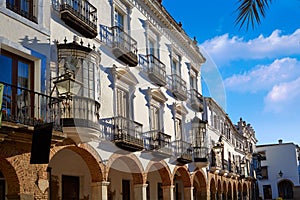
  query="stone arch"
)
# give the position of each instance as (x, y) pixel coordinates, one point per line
(199, 174)
(185, 175)
(11, 177)
(245, 190)
(285, 189)
(163, 170)
(212, 188)
(89, 155)
(234, 190)
(199, 184)
(225, 189)
(219, 188)
(229, 190)
(133, 164)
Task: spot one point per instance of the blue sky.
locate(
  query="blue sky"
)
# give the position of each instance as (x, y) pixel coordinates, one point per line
(253, 74)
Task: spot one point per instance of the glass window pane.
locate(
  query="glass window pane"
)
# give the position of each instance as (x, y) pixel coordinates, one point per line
(23, 75)
(6, 68)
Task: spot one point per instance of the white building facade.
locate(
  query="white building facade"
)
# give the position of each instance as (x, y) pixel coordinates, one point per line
(279, 170)
(120, 81)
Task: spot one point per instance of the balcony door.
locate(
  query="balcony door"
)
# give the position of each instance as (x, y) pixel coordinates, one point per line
(17, 71)
(122, 103)
(155, 118)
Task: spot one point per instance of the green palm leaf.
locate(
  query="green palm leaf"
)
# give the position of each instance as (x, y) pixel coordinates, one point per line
(251, 11)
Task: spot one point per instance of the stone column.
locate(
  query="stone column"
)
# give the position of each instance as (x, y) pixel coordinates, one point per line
(168, 192)
(140, 192)
(99, 190)
(188, 193)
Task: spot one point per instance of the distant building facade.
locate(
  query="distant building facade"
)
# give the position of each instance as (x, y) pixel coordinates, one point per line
(119, 83)
(279, 171)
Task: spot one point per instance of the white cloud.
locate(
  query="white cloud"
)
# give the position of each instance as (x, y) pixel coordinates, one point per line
(285, 95)
(224, 49)
(264, 77)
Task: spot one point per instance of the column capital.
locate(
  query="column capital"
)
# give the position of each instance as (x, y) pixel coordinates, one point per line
(167, 187)
(143, 185)
(102, 183)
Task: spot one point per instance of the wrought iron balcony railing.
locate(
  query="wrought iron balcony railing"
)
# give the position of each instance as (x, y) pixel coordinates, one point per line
(178, 87)
(126, 133)
(196, 100)
(124, 47)
(200, 154)
(81, 16)
(183, 151)
(26, 10)
(159, 142)
(156, 70)
(23, 106)
(80, 112)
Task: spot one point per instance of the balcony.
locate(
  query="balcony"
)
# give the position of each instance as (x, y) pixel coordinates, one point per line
(159, 143)
(200, 156)
(125, 133)
(178, 87)
(80, 119)
(196, 100)
(156, 70)
(23, 108)
(81, 16)
(183, 151)
(123, 46)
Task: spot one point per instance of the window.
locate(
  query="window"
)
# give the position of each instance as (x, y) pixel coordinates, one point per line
(176, 67)
(178, 128)
(25, 8)
(264, 172)
(152, 49)
(267, 190)
(119, 19)
(155, 117)
(122, 103)
(19, 72)
(193, 79)
(263, 155)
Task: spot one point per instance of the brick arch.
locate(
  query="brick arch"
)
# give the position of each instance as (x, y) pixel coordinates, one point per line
(185, 175)
(245, 189)
(199, 174)
(219, 186)
(163, 170)
(11, 177)
(132, 162)
(225, 190)
(212, 185)
(239, 186)
(89, 155)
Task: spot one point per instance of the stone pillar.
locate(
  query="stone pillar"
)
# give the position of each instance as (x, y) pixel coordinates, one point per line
(168, 192)
(188, 193)
(140, 192)
(208, 194)
(99, 190)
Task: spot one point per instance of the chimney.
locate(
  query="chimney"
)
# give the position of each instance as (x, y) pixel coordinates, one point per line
(280, 141)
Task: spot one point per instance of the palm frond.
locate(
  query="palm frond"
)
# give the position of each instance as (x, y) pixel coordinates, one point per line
(250, 12)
